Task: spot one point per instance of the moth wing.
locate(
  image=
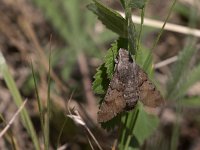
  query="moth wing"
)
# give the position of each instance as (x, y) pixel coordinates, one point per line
(113, 104)
(148, 93)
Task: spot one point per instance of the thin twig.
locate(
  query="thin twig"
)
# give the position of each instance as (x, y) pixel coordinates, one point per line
(91, 134)
(78, 120)
(114, 145)
(166, 62)
(169, 26)
(12, 119)
(90, 143)
(63, 147)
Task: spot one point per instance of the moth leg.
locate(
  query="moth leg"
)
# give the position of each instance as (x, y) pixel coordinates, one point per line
(116, 61)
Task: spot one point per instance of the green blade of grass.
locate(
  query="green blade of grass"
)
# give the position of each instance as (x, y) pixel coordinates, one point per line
(138, 46)
(146, 64)
(18, 101)
(38, 101)
(48, 105)
(61, 131)
(188, 81)
(180, 68)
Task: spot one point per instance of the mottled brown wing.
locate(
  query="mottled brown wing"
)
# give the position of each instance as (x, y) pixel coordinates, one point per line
(113, 104)
(148, 93)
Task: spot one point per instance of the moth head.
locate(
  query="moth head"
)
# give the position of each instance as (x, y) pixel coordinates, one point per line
(124, 55)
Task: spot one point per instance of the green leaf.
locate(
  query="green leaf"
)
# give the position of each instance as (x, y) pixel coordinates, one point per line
(101, 81)
(137, 4)
(122, 43)
(105, 71)
(131, 37)
(110, 18)
(123, 3)
(145, 125)
(139, 126)
(110, 60)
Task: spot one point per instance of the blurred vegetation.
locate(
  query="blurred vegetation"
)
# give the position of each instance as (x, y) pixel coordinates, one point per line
(76, 25)
(74, 22)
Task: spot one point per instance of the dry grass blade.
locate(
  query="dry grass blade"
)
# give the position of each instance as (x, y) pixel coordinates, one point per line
(90, 143)
(78, 119)
(169, 26)
(166, 62)
(63, 147)
(12, 119)
(114, 147)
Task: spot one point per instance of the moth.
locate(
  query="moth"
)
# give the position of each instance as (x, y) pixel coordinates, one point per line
(128, 85)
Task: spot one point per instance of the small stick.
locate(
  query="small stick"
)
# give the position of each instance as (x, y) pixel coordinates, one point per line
(169, 26)
(166, 62)
(12, 119)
